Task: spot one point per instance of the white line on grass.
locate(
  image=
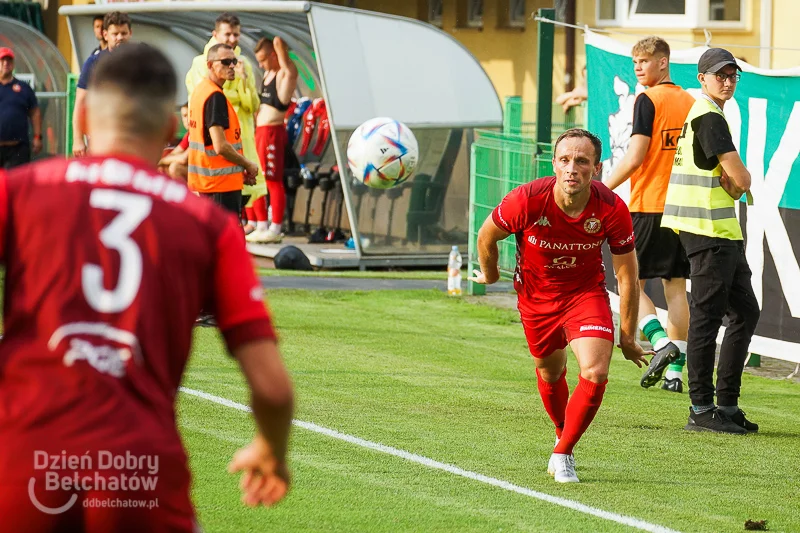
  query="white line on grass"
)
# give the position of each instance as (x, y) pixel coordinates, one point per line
(563, 502)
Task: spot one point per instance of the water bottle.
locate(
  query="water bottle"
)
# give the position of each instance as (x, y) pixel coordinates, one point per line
(454, 273)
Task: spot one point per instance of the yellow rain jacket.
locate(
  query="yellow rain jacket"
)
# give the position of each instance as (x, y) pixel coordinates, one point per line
(243, 96)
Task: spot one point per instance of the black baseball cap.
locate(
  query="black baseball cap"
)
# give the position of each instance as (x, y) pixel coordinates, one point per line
(714, 59)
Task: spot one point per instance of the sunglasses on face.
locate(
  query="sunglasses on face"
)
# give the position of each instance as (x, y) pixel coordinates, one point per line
(721, 77)
(228, 61)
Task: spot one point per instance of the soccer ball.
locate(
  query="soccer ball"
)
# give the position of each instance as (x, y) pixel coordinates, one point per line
(382, 153)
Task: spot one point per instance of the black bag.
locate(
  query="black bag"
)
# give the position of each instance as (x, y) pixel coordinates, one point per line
(291, 258)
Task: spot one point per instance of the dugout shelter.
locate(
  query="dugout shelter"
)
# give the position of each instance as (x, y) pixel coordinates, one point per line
(364, 65)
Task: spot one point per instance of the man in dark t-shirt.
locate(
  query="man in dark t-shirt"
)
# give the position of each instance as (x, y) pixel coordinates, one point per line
(116, 31)
(18, 105)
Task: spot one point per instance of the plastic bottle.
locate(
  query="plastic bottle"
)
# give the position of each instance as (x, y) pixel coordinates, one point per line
(454, 273)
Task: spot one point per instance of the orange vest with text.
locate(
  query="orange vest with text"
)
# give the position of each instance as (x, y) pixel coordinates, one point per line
(649, 182)
(210, 172)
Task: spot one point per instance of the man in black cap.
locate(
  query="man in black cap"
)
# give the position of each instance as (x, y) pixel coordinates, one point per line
(708, 178)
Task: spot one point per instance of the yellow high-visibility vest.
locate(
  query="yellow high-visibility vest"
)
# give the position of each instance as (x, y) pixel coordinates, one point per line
(696, 202)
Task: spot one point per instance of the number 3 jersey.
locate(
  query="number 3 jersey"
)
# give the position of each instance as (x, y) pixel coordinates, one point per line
(108, 264)
(559, 256)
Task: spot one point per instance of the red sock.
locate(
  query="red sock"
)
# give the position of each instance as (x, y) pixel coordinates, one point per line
(555, 397)
(259, 209)
(250, 213)
(277, 199)
(585, 401)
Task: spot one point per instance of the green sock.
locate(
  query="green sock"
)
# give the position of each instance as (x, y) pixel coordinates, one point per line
(679, 364)
(651, 327)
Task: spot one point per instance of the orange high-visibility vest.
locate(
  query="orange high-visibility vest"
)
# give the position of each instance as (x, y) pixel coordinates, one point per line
(209, 172)
(649, 182)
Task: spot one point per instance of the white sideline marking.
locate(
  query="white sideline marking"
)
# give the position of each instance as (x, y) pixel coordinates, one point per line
(414, 458)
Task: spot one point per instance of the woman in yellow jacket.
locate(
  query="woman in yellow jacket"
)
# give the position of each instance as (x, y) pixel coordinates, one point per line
(241, 92)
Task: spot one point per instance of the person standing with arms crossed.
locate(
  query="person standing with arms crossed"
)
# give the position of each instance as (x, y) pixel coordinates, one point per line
(277, 88)
(560, 224)
(115, 290)
(658, 117)
(217, 168)
(707, 179)
(240, 91)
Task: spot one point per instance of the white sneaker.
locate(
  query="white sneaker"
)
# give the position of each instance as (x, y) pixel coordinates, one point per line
(564, 466)
(265, 236)
(551, 465)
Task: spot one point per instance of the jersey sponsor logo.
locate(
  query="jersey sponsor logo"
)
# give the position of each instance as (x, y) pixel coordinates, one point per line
(542, 221)
(562, 263)
(592, 225)
(99, 354)
(563, 246)
(117, 173)
(626, 240)
(669, 138)
(503, 220)
(105, 359)
(592, 327)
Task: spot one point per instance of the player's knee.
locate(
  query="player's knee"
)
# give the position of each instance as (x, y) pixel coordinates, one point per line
(595, 373)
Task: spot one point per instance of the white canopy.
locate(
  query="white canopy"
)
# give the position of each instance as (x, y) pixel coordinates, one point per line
(369, 64)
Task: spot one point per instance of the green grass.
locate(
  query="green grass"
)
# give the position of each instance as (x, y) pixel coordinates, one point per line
(453, 382)
(375, 274)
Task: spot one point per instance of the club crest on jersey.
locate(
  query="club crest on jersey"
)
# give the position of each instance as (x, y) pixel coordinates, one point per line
(16, 88)
(592, 225)
(542, 221)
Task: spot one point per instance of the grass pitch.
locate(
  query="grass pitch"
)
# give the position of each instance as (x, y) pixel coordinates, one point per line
(453, 382)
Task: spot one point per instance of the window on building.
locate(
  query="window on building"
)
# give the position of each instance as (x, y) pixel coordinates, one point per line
(475, 13)
(725, 10)
(517, 13)
(607, 9)
(656, 7)
(672, 13)
(435, 12)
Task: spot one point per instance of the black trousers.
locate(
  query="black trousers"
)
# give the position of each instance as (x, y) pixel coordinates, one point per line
(720, 287)
(230, 201)
(14, 156)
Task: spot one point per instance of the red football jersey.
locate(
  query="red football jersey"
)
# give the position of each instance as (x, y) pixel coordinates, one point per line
(559, 256)
(108, 264)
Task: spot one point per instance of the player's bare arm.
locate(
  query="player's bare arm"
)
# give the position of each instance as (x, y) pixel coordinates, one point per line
(627, 271)
(265, 475)
(226, 150)
(735, 176)
(287, 75)
(633, 159)
(488, 254)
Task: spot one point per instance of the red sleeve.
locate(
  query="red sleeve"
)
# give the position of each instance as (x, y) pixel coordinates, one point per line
(512, 213)
(238, 295)
(3, 212)
(619, 228)
(184, 144)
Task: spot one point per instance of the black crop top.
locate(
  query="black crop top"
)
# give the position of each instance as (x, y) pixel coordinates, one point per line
(269, 95)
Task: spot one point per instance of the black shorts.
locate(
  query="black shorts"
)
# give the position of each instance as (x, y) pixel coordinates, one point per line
(658, 249)
(230, 201)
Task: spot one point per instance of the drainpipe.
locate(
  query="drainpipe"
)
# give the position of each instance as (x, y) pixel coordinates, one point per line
(569, 48)
(765, 54)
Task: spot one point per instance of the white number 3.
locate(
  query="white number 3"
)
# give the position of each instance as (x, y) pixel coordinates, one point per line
(133, 209)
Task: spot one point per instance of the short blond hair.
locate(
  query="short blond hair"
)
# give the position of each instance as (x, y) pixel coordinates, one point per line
(651, 46)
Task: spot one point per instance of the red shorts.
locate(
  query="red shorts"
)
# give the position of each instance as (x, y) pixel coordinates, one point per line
(271, 144)
(550, 326)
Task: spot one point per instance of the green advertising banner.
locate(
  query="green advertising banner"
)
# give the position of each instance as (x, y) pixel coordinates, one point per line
(764, 118)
